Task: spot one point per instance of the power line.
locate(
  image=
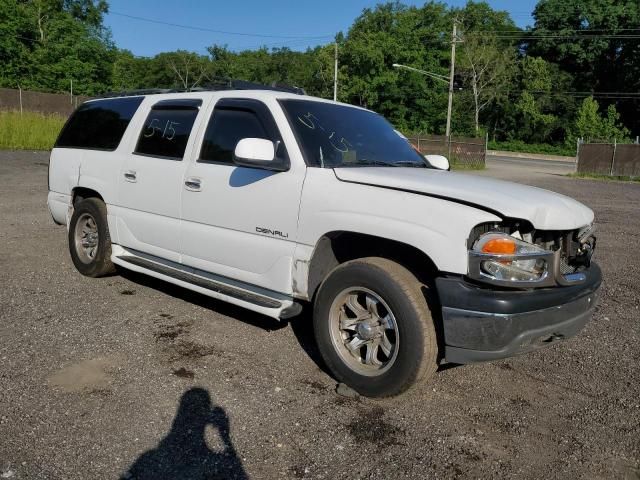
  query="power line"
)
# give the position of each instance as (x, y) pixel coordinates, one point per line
(602, 95)
(531, 35)
(574, 37)
(585, 30)
(210, 30)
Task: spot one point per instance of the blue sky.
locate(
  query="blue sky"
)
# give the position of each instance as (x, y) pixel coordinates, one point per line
(277, 18)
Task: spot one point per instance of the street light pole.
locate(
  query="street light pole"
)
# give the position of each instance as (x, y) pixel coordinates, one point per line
(451, 76)
(435, 76)
(441, 78)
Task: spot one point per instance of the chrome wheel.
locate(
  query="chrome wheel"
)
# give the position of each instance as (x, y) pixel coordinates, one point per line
(86, 238)
(364, 331)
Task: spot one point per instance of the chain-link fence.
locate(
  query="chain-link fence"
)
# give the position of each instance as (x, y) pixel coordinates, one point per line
(49, 103)
(609, 159)
(461, 152)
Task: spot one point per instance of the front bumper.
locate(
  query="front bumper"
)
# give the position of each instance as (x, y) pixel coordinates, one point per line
(485, 324)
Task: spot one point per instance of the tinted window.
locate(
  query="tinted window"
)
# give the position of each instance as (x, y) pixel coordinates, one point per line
(333, 135)
(100, 124)
(167, 128)
(226, 128)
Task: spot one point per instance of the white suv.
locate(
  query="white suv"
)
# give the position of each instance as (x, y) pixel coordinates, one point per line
(268, 199)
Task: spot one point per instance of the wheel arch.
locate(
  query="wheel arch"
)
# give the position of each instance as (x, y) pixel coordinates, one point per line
(81, 193)
(340, 246)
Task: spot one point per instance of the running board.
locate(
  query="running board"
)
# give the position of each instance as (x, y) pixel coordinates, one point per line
(280, 308)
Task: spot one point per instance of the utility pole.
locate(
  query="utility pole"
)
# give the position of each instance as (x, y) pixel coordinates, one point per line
(335, 75)
(451, 75)
(20, 94)
(71, 91)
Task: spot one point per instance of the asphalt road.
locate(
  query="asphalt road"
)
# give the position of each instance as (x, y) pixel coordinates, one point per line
(530, 164)
(127, 377)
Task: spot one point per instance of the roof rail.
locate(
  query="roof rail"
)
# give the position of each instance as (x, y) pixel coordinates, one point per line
(135, 93)
(216, 84)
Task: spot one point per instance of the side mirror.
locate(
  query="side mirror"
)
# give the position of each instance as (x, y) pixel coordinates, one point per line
(258, 153)
(438, 161)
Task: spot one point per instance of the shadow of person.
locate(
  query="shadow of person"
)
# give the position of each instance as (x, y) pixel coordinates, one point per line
(184, 454)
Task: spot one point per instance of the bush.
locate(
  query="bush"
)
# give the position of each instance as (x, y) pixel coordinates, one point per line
(29, 131)
(542, 148)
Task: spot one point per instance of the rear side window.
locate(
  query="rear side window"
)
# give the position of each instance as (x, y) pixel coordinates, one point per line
(226, 128)
(99, 125)
(166, 131)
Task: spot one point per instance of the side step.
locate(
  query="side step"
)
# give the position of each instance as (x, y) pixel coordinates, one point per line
(280, 308)
(202, 282)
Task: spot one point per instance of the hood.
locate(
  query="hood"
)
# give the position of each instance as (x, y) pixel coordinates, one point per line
(544, 209)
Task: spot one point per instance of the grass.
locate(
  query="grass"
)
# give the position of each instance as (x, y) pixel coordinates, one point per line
(542, 148)
(29, 131)
(600, 176)
(464, 166)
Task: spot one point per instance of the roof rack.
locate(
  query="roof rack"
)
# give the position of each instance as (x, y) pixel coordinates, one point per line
(135, 93)
(217, 84)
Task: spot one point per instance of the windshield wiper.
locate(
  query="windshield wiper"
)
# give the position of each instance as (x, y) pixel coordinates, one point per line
(366, 163)
(380, 163)
(410, 164)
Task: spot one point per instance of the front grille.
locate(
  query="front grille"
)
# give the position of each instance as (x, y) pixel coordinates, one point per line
(565, 268)
(575, 255)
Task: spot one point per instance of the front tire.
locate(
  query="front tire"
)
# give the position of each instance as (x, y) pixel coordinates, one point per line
(374, 328)
(89, 240)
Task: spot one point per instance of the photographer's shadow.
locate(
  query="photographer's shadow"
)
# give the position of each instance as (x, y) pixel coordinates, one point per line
(184, 454)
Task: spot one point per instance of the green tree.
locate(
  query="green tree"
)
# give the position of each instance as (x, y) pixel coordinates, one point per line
(128, 71)
(394, 33)
(591, 126)
(47, 43)
(189, 69)
(489, 69)
(589, 40)
(535, 125)
(16, 40)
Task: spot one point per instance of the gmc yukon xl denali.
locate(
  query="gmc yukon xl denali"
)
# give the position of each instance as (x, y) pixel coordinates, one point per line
(269, 199)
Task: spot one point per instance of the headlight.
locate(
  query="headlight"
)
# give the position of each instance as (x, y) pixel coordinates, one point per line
(502, 259)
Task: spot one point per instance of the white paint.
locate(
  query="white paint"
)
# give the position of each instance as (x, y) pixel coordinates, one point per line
(544, 209)
(438, 161)
(261, 227)
(255, 149)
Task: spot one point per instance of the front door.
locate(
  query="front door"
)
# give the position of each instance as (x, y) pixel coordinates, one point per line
(240, 222)
(152, 179)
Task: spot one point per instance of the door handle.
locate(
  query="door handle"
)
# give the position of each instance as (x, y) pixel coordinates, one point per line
(130, 176)
(193, 184)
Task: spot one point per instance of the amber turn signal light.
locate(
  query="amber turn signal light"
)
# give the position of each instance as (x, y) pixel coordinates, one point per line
(504, 246)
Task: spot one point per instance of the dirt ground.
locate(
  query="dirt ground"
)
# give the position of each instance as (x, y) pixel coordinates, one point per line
(128, 377)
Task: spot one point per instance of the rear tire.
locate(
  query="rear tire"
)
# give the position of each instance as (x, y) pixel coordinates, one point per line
(89, 240)
(374, 328)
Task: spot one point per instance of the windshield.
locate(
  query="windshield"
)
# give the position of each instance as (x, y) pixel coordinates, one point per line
(333, 135)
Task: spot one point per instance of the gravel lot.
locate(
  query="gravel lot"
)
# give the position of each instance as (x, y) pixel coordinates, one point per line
(127, 377)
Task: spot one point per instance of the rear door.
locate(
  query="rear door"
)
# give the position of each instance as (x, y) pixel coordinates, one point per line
(152, 178)
(236, 221)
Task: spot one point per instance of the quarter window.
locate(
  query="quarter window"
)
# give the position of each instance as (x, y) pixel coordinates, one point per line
(99, 124)
(166, 131)
(226, 128)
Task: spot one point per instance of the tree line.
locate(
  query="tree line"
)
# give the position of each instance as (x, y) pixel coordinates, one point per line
(575, 73)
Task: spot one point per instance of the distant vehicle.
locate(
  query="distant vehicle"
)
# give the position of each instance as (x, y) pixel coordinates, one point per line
(268, 199)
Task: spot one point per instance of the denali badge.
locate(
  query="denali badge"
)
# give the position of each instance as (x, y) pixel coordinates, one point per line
(275, 233)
